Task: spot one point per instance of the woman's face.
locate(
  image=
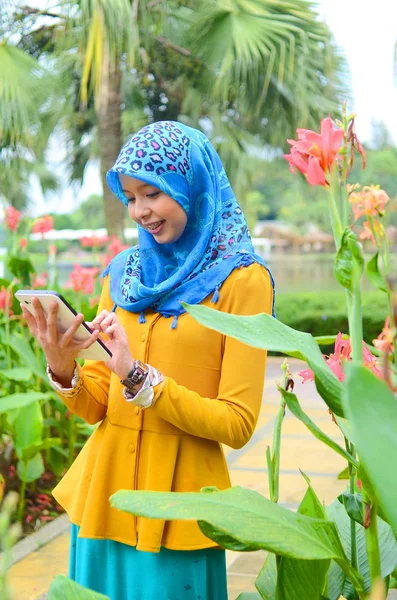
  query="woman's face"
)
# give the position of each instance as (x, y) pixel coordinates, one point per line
(154, 210)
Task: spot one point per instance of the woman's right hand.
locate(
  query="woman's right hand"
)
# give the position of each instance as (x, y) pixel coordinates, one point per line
(60, 349)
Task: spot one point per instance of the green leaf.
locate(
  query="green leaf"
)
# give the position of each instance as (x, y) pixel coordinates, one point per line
(266, 582)
(17, 374)
(63, 588)
(249, 596)
(33, 449)
(247, 517)
(19, 400)
(353, 504)
(299, 579)
(372, 411)
(387, 544)
(344, 474)
(21, 268)
(28, 427)
(349, 260)
(265, 332)
(31, 470)
(375, 276)
(295, 408)
(20, 345)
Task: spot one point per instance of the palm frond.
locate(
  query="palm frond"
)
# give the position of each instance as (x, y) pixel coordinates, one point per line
(20, 94)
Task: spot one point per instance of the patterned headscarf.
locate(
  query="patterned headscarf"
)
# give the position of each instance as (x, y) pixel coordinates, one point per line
(181, 162)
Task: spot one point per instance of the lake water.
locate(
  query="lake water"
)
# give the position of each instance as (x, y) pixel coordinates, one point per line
(292, 273)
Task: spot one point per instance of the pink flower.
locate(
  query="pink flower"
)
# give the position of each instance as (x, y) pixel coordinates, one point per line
(40, 281)
(12, 218)
(23, 242)
(313, 154)
(82, 279)
(52, 250)
(114, 248)
(94, 241)
(342, 354)
(371, 200)
(5, 298)
(384, 339)
(43, 224)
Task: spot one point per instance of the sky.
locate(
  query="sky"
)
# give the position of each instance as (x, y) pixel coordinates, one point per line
(366, 33)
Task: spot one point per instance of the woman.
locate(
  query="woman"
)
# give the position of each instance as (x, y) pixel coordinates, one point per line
(173, 391)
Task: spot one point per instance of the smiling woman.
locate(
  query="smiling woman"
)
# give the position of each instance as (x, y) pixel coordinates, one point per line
(173, 391)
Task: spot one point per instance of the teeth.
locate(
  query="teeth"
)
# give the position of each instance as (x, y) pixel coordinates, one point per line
(154, 225)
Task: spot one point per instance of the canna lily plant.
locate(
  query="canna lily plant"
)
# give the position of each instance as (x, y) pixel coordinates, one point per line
(347, 550)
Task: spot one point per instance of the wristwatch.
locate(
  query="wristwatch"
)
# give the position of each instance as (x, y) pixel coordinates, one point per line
(136, 376)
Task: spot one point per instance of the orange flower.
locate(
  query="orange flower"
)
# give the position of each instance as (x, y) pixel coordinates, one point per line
(371, 200)
(23, 242)
(313, 154)
(367, 233)
(384, 339)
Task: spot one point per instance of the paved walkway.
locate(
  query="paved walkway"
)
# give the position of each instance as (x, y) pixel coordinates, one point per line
(32, 576)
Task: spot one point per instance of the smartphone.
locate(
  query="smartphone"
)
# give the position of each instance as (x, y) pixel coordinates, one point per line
(66, 314)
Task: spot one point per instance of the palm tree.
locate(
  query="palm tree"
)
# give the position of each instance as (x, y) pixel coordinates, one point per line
(247, 71)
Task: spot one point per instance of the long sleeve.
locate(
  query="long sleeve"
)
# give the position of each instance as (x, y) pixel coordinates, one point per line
(90, 403)
(231, 417)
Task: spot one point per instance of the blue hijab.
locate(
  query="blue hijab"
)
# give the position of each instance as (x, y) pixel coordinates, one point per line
(181, 162)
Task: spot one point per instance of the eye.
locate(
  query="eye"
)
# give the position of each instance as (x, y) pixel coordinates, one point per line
(130, 200)
(153, 194)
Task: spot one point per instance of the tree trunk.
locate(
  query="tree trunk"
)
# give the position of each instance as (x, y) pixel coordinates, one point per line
(109, 138)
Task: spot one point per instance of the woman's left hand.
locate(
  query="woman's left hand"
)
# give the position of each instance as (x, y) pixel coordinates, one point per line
(122, 360)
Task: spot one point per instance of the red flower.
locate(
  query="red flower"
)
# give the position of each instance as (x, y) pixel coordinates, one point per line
(343, 353)
(43, 224)
(82, 279)
(313, 154)
(23, 242)
(5, 298)
(40, 281)
(12, 218)
(94, 241)
(114, 248)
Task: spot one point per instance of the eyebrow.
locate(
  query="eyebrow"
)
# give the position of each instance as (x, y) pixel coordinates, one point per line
(146, 185)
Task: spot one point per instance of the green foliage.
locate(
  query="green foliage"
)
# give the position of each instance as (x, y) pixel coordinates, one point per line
(319, 314)
(372, 411)
(63, 588)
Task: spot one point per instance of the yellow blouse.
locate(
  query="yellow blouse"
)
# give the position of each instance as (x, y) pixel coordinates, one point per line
(211, 395)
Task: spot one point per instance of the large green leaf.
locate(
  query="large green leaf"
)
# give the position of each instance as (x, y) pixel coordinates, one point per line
(28, 427)
(29, 452)
(20, 345)
(295, 408)
(246, 517)
(372, 411)
(299, 579)
(20, 400)
(264, 331)
(63, 588)
(31, 470)
(249, 596)
(21, 268)
(17, 374)
(387, 544)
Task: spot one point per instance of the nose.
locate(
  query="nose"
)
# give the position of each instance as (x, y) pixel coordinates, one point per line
(141, 208)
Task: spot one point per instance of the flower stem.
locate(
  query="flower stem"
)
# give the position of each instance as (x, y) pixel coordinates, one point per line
(352, 481)
(371, 537)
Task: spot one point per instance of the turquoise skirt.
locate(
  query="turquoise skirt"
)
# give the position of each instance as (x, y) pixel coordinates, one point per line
(123, 573)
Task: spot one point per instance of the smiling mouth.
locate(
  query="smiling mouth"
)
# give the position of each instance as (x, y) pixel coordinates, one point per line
(154, 226)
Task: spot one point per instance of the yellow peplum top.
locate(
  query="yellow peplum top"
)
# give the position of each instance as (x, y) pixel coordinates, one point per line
(211, 395)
